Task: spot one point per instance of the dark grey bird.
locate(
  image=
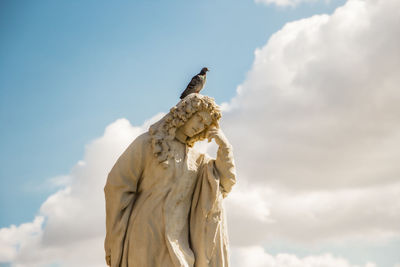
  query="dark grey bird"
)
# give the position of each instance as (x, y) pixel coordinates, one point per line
(196, 84)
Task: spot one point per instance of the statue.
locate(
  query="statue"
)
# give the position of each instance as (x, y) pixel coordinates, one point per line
(164, 198)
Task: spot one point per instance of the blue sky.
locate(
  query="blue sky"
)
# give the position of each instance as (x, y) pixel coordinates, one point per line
(311, 109)
(69, 68)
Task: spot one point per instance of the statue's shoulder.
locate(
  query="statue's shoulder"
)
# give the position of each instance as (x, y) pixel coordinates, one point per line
(143, 139)
(141, 143)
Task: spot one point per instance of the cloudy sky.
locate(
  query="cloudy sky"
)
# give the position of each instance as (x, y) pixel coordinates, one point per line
(310, 91)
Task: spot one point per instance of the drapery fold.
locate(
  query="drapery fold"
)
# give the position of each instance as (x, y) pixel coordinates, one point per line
(208, 233)
(144, 200)
(120, 193)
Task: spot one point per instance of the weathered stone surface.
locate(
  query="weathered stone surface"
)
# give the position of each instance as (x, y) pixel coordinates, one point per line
(164, 198)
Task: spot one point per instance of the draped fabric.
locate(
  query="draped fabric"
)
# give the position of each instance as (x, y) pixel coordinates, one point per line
(157, 216)
(208, 235)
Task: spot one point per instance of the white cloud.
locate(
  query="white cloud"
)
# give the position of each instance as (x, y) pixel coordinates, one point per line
(284, 3)
(255, 256)
(59, 181)
(366, 214)
(320, 107)
(13, 238)
(322, 95)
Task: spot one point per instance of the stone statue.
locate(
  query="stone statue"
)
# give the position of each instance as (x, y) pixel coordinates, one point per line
(164, 198)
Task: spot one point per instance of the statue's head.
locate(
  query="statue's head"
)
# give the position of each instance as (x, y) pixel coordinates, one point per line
(196, 124)
(194, 116)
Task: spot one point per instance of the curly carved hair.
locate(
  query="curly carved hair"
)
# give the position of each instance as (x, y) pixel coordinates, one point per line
(163, 131)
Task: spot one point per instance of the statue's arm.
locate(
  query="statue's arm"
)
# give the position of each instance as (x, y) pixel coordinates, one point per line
(120, 191)
(224, 163)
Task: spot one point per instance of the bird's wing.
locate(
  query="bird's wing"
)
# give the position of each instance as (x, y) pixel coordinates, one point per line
(196, 80)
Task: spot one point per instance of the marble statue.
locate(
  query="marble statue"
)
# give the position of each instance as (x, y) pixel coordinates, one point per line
(164, 198)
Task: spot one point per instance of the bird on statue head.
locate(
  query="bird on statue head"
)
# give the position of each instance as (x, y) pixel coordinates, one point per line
(196, 84)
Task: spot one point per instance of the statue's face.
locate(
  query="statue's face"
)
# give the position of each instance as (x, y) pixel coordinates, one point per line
(197, 123)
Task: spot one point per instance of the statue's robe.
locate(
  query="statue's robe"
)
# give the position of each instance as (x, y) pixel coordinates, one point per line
(157, 216)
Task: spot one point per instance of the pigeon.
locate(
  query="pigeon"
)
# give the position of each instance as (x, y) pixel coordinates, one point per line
(196, 84)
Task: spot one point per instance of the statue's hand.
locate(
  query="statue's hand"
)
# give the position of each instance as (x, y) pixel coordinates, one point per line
(218, 136)
(108, 260)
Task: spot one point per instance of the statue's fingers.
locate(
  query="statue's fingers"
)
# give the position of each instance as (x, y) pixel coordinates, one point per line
(212, 131)
(210, 136)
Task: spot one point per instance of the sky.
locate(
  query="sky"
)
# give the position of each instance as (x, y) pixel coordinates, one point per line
(314, 83)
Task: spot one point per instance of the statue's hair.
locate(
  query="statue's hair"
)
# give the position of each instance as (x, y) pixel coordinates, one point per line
(163, 131)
